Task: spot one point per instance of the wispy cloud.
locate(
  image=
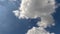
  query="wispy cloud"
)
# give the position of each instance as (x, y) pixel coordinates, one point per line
(37, 8)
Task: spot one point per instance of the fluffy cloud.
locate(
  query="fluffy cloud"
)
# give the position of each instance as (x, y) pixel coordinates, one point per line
(37, 8)
(39, 30)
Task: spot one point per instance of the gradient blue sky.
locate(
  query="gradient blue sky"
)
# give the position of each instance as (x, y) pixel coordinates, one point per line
(10, 24)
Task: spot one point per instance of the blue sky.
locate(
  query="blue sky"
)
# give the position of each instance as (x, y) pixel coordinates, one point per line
(9, 24)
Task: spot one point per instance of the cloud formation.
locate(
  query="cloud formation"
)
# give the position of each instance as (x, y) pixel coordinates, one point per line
(39, 30)
(37, 8)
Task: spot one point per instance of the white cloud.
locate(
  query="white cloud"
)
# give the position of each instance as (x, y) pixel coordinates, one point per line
(38, 8)
(16, 12)
(39, 30)
(46, 20)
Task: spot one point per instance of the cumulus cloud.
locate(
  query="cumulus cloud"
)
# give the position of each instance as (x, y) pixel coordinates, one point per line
(39, 30)
(37, 8)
